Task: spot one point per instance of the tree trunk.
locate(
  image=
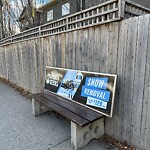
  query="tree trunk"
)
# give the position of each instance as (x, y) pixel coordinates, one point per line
(1, 20)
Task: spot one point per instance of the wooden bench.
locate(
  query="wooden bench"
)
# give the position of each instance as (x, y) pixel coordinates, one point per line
(86, 124)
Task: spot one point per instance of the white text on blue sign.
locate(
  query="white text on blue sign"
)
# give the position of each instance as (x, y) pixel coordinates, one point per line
(96, 82)
(95, 93)
(97, 103)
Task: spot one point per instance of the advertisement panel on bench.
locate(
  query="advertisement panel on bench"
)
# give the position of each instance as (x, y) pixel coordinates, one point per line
(93, 90)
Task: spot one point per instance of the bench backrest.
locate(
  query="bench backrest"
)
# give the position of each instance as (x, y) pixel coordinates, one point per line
(95, 91)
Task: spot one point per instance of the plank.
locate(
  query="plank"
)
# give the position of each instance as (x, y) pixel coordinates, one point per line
(146, 121)
(31, 66)
(57, 52)
(79, 49)
(126, 100)
(73, 107)
(13, 67)
(50, 50)
(28, 87)
(54, 50)
(10, 64)
(45, 53)
(70, 50)
(1, 60)
(120, 80)
(145, 129)
(23, 66)
(20, 64)
(63, 50)
(129, 76)
(139, 79)
(17, 64)
(5, 64)
(76, 105)
(90, 49)
(67, 51)
(36, 67)
(97, 50)
(112, 48)
(62, 111)
(111, 67)
(83, 50)
(104, 56)
(26, 64)
(103, 48)
(74, 60)
(42, 65)
(45, 59)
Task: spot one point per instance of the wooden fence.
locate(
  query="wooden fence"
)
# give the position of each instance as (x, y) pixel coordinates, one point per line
(122, 48)
(106, 12)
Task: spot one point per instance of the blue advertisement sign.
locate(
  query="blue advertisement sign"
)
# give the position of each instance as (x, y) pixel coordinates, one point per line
(93, 90)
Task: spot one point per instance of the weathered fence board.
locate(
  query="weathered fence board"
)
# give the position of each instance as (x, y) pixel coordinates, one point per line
(121, 47)
(129, 73)
(139, 77)
(145, 120)
(146, 110)
(96, 51)
(90, 49)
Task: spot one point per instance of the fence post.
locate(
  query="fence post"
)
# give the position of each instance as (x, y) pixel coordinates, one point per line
(39, 31)
(67, 23)
(11, 38)
(22, 35)
(121, 7)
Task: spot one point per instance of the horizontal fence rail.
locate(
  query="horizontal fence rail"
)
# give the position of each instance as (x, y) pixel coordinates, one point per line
(110, 11)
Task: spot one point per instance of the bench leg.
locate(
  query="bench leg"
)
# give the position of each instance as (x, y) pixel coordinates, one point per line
(81, 136)
(38, 108)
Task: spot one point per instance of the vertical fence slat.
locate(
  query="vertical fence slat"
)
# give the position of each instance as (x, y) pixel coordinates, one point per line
(111, 68)
(145, 122)
(120, 80)
(96, 50)
(79, 56)
(103, 48)
(139, 78)
(84, 47)
(63, 40)
(90, 49)
(74, 50)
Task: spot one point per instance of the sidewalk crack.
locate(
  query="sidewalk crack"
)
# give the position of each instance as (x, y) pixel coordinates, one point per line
(61, 142)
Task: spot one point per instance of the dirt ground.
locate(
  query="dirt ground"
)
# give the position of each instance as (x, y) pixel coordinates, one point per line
(115, 144)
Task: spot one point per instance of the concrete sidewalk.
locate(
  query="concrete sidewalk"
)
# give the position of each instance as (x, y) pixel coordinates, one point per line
(20, 130)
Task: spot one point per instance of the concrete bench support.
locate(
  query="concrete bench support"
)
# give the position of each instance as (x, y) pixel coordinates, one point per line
(81, 136)
(38, 108)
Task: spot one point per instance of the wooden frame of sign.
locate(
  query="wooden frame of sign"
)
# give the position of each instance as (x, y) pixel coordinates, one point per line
(93, 90)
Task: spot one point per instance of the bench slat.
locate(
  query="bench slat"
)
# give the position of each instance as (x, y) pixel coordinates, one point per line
(73, 107)
(94, 113)
(62, 111)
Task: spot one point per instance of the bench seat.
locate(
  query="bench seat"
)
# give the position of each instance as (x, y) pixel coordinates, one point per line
(72, 111)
